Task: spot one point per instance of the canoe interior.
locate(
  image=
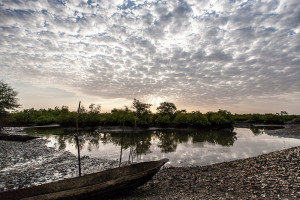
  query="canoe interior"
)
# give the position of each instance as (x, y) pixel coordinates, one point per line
(136, 170)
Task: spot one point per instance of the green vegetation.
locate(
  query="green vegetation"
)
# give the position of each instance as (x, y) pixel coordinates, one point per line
(268, 118)
(167, 115)
(140, 115)
(8, 98)
(8, 101)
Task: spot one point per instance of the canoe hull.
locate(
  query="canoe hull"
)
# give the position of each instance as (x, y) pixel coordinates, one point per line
(102, 190)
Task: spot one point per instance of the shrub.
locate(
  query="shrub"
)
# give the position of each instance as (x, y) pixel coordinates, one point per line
(44, 120)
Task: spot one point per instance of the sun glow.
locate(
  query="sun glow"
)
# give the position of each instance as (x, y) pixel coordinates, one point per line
(155, 102)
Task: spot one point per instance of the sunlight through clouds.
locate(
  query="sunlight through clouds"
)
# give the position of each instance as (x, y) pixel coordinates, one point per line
(197, 54)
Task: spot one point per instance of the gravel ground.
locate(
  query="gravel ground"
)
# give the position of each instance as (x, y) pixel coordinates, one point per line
(271, 176)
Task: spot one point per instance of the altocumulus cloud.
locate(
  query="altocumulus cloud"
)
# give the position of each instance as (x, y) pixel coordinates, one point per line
(193, 52)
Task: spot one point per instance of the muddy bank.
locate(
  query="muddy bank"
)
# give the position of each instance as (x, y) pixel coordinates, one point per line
(23, 164)
(271, 176)
(290, 131)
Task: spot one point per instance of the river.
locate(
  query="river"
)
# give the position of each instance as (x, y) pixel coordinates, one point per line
(181, 147)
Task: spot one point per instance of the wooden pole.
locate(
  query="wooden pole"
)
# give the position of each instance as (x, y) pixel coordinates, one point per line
(77, 141)
(1, 124)
(122, 141)
(135, 120)
(79, 163)
(137, 147)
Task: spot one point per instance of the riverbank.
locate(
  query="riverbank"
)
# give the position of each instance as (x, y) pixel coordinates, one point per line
(274, 175)
(290, 131)
(24, 164)
(270, 176)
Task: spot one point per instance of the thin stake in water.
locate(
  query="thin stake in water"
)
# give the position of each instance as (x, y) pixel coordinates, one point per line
(122, 141)
(76, 137)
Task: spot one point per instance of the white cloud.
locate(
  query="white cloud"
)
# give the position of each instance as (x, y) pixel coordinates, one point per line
(211, 52)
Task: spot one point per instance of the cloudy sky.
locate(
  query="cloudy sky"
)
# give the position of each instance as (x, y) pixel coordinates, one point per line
(243, 56)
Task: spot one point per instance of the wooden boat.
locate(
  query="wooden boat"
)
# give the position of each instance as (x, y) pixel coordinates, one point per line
(99, 185)
(18, 138)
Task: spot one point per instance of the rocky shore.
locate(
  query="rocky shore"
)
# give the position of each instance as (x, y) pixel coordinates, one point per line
(271, 176)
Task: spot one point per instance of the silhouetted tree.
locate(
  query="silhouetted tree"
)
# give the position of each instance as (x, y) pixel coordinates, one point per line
(142, 112)
(8, 101)
(141, 108)
(166, 108)
(8, 98)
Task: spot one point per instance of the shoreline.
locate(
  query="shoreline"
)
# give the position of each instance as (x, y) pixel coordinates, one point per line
(274, 175)
(270, 176)
(24, 164)
(289, 131)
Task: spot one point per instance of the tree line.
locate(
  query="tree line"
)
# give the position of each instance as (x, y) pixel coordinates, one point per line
(267, 118)
(138, 115)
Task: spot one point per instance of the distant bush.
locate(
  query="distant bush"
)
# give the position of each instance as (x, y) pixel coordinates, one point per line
(181, 120)
(273, 119)
(222, 118)
(67, 119)
(268, 118)
(198, 120)
(255, 118)
(44, 120)
(163, 120)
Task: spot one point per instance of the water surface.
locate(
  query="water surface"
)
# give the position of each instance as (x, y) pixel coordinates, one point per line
(182, 148)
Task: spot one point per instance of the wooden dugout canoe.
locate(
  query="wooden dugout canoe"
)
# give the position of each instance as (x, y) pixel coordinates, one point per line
(99, 185)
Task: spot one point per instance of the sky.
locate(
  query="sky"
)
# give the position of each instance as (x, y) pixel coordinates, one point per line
(238, 55)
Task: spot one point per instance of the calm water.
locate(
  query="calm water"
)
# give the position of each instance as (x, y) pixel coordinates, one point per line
(183, 148)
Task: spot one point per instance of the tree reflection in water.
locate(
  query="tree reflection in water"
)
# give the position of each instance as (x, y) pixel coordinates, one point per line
(224, 138)
(167, 141)
(257, 131)
(138, 143)
(261, 130)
